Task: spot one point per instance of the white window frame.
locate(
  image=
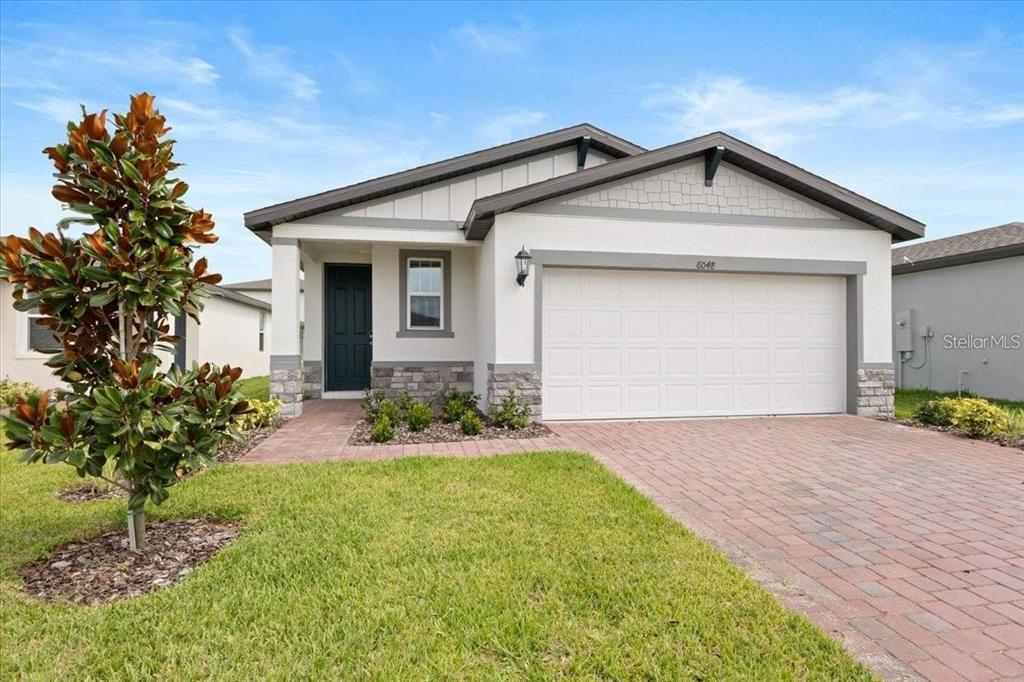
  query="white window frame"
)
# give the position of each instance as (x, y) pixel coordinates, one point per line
(262, 332)
(409, 293)
(25, 349)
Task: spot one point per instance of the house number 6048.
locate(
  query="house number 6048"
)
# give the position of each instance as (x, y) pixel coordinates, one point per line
(705, 265)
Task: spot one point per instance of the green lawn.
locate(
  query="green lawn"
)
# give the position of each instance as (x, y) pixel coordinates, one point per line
(534, 566)
(255, 387)
(909, 399)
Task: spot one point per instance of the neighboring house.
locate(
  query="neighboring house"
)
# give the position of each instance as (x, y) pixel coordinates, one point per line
(958, 308)
(703, 278)
(235, 330)
(260, 289)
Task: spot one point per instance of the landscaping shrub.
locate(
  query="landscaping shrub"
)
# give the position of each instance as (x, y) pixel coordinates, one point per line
(404, 402)
(389, 409)
(470, 423)
(371, 403)
(261, 413)
(938, 412)
(383, 429)
(455, 403)
(419, 415)
(10, 391)
(977, 417)
(512, 413)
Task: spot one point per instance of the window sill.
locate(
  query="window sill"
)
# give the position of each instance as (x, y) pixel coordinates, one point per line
(425, 334)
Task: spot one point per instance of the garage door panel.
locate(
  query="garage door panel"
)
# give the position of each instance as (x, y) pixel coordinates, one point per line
(681, 361)
(644, 399)
(604, 400)
(604, 362)
(603, 324)
(622, 343)
(564, 362)
(643, 362)
(563, 325)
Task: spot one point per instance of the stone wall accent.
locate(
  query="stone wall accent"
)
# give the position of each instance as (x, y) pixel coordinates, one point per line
(286, 384)
(875, 388)
(524, 380)
(681, 188)
(423, 380)
(312, 379)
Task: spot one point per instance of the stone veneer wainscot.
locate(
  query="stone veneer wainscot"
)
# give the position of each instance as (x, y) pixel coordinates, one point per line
(423, 380)
(875, 388)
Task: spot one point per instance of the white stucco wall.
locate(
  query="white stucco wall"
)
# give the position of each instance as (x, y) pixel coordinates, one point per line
(514, 305)
(386, 297)
(16, 361)
(228, 333)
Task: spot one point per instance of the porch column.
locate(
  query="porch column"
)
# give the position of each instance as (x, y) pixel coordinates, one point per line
(285, 358)
(313, 328)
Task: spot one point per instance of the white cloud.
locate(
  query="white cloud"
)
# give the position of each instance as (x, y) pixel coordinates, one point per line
(493, 40)
(268, 63)
(915, 86)
(506, 125)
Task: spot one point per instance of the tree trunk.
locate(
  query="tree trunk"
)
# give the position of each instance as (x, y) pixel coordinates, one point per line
(137, 529)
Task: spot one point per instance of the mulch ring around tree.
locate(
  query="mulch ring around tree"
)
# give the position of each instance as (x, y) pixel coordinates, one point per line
(1005, 441)
(103, 569)
(88, 492)
(232, 451)
(440, 432)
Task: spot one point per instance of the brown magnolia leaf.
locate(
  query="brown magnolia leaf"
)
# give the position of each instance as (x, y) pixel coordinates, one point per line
(119, 145)
(69, 195)
(59, 162)
(142, 107)
(95, 125)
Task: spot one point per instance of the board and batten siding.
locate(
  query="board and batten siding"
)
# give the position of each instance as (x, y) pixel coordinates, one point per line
(450, 200)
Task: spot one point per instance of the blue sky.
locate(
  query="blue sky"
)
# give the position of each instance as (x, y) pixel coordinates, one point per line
(918, 106)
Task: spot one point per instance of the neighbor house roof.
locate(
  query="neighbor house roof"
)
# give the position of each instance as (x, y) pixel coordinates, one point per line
(230, 295)
(257, 285)
(991, 243)
(263, 218)
(725, 148)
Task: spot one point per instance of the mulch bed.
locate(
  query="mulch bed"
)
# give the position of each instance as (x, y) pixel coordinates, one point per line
(440, 432)
(232, 451)
(87, 492)
(104, 569)
(1005, 441)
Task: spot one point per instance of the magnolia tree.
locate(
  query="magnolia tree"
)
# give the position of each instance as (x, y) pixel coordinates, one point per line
(109, 297)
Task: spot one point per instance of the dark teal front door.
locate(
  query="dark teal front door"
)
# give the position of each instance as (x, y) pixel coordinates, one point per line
(348, 327)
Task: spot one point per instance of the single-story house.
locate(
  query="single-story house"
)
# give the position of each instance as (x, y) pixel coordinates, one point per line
(958, 309)
(260, 290)
(594, 278)
(235, 330)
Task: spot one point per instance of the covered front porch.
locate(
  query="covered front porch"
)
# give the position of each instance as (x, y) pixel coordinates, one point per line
(392, 308)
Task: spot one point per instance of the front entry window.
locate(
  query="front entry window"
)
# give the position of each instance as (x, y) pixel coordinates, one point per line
(426, 293)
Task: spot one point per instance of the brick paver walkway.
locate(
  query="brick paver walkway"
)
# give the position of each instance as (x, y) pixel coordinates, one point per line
(905, 544)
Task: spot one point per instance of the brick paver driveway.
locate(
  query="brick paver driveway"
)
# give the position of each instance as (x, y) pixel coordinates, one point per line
(905, 544)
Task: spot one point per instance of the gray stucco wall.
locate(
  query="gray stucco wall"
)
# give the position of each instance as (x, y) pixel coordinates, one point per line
(979, 299)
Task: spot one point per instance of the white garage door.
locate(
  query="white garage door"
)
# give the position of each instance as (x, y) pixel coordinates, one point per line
(624, 343)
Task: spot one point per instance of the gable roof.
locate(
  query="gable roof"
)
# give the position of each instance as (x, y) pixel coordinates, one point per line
(263, 218)
(229, 295)
(991, 243)
(735, 152)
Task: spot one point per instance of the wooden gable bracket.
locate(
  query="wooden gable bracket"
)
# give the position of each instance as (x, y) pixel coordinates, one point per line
(712, 158)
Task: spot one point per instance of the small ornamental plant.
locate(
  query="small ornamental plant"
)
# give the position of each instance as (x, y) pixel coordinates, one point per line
(471, 424)
(511, 412)
(383, 429)
(109, 297)
(419, 416)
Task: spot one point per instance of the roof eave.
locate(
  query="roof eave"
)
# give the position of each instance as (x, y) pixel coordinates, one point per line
(267, 217)
(737, 153)
(995, 253)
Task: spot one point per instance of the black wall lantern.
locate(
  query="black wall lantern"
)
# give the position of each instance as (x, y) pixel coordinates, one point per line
(522, 266)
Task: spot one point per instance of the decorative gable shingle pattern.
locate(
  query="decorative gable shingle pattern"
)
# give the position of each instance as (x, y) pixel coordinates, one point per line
(682, 188)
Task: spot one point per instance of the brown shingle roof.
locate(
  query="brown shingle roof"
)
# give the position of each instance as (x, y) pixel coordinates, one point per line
(971, 247)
